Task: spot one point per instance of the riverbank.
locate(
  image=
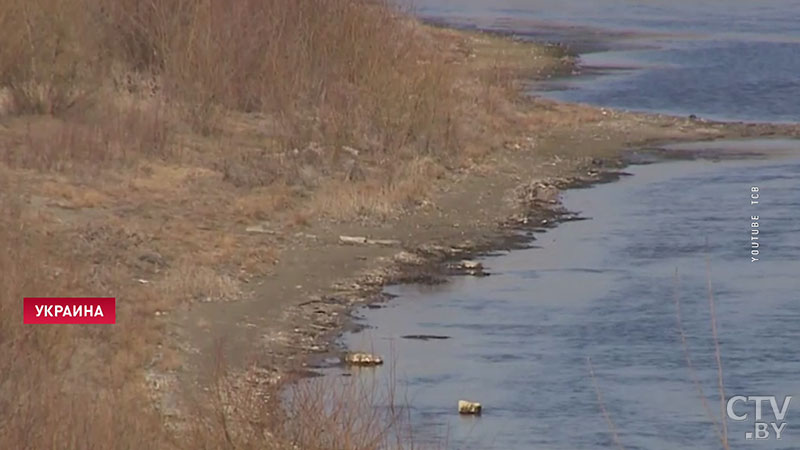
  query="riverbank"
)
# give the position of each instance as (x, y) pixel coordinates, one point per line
(224, 241)
(493, 204)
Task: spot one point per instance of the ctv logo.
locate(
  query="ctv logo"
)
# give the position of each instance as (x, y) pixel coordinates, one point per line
(69, 310)
(763, 428)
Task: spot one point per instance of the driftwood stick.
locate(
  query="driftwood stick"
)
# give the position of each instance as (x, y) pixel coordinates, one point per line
(362, 240)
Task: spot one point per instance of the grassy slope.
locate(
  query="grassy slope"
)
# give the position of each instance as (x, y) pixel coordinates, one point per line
(138, 138)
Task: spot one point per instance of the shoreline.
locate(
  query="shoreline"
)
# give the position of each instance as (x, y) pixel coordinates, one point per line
(287, 318)
(308, 331)
(434, 264)
(241, 201)
(536, 324)
(316, 343)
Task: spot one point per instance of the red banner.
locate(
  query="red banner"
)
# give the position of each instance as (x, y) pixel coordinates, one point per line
(66, 310)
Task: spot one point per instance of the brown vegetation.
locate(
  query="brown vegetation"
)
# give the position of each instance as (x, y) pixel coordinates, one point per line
(357, 413)
(138, 138)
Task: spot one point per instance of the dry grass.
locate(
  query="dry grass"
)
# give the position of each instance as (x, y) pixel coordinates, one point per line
(188, 282)
(343, 71)
(81, 387)
(405, 187)
(117, 137)
(357, 413)
(64, 387)
(138, 137)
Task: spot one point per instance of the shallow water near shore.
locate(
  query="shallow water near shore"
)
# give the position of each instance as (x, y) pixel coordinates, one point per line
(718, 59)
(604, 289)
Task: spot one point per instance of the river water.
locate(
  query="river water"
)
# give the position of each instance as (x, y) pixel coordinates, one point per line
(604, 290)
(719, 59)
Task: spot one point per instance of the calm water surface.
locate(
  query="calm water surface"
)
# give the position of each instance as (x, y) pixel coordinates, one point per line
(605, 288)
(720, 59)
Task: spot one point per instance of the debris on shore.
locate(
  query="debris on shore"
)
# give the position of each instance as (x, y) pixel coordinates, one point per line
(469, 267)
(425, 337)
(367, 241)
(363, 359)
(469, 408)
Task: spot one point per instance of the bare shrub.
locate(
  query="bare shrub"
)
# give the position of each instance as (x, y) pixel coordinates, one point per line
(48, 59)
(351, 413)
(348, 71)
(401, 189)
(356, 412)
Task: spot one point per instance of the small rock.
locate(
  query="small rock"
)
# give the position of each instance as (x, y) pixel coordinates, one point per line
(405, 257)
(352, 151)
(472, 265)
(473, 268)
(259, 229)
(363, 359)
(468, 407)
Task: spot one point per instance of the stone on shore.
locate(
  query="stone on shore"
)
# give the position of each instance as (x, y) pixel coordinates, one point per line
(473, 268)
(363, 359)
(471, 265)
